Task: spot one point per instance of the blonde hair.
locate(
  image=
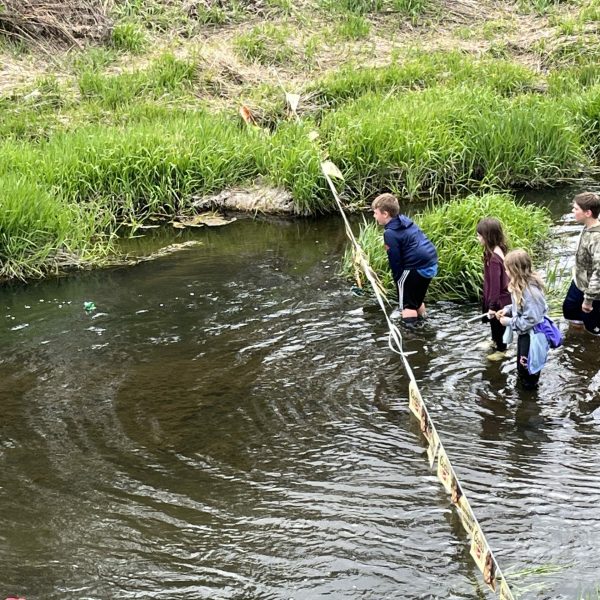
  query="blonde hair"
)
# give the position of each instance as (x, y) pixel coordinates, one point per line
(520, 273)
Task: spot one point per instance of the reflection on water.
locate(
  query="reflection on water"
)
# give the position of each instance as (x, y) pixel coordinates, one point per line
(229, 423)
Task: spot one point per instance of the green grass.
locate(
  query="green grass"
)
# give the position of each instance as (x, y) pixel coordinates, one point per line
(540, 7)
(40, 234)
(573, 79)
(410, 8)
(358, 7)
(129, 37)
(266, 44)
(438, 141)
(153, 15)
(423, 70)
(353, 27)
(93, 59)
(168, 75)
(140, 143)
(585, 112)
(451, 228)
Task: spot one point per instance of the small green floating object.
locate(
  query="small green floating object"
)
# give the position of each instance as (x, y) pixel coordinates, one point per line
(89, 306)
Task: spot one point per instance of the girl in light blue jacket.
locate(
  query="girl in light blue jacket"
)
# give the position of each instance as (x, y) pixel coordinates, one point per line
(528, 308)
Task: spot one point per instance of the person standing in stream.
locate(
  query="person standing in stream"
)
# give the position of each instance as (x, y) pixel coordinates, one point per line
(495, 280)
(582, 304)
(412, 257)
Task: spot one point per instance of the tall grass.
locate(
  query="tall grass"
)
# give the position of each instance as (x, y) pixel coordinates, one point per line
(353, 27)
(430, 142)
(539, 6)
(292, 161)
(438, 141)
(40, 234)
(129, 37)
(359, 7)
(154, 167)
(585, 110)
(148, 168)
(451, 228)
(573, 79)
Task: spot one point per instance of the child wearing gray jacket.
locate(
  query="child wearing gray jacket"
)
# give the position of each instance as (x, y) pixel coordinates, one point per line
(527, 309)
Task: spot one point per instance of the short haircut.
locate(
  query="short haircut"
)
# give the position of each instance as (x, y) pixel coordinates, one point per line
(588, 201)
(387, 203)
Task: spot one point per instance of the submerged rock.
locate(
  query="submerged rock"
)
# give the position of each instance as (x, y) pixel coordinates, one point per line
(256, 199)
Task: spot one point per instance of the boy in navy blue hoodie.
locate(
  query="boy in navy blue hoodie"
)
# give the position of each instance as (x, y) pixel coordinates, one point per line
(413, 258)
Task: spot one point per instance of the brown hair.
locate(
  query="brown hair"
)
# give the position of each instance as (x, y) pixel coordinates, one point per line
(588, 201)
(387, 203)
(520, 272)
(490, 230)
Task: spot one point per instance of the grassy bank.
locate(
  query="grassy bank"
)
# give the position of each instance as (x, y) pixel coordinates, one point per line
(42, 234)
(142, 125)
(426, 143)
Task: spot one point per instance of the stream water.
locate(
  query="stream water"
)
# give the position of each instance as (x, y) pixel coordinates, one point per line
(229, 423)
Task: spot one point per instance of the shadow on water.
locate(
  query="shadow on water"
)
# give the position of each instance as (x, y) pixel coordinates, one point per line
(229, 423)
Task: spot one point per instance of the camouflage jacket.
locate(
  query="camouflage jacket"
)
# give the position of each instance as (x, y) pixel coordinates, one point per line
(587, 263)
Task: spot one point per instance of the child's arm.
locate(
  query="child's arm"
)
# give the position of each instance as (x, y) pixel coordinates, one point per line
(394, 252)
(593, 289)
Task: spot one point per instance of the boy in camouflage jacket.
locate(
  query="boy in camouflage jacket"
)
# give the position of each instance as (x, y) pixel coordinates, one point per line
(582, 303)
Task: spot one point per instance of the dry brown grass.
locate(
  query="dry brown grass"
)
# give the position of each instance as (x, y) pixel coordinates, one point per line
(55, 21)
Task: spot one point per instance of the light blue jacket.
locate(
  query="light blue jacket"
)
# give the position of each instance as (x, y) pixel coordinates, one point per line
(523, 320)
(533, 311)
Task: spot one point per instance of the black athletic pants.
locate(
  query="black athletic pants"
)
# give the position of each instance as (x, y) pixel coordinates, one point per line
(528, 381)
(497, 334)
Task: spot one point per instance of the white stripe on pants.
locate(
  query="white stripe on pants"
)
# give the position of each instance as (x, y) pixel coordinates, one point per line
(400, 282)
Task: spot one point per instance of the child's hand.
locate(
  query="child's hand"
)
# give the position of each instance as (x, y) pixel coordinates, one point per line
(587, 307)
(491, 314)
(499, 313)
(504, 321)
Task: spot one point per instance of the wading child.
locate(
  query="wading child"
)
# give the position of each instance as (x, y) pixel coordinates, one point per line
(495, 280)
(527, 309)
(582, 303)
(412, 257)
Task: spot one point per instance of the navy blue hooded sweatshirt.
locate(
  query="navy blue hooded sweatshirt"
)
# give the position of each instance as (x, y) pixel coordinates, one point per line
(407, 246)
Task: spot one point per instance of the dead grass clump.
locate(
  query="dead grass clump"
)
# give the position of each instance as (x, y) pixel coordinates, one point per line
(55, 21)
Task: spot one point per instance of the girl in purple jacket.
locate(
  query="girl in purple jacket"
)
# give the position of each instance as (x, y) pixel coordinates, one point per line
(495, 279)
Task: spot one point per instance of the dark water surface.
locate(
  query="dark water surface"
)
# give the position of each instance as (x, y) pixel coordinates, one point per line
(230, 424)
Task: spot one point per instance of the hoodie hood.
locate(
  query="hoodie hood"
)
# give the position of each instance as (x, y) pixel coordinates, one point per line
(399, 222)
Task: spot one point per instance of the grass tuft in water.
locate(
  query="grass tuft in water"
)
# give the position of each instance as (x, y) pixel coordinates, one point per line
(40, 234)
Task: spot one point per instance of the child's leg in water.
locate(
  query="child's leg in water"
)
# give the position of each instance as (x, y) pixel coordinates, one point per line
(528, 380)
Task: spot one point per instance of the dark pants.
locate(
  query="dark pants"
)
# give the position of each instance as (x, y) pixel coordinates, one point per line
(572, 310)
(528, 380)
(497, 334)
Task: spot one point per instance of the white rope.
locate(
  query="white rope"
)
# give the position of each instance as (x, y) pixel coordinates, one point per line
(395, 337)
(395, 345)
